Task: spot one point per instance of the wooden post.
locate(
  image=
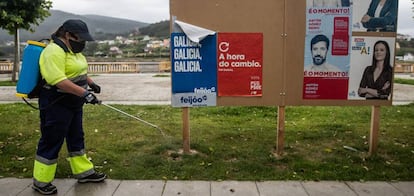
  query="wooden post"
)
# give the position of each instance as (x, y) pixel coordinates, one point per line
(186, 130)
(373, 137)
(280, 130)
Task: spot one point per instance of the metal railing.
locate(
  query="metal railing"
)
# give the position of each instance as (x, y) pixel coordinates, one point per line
(404, 68)
(113, 67)
(6, 67)
(164, 66)
(128, 67)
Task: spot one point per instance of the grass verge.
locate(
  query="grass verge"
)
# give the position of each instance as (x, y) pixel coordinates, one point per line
(7, 83)
(404, 81)
(232, 143)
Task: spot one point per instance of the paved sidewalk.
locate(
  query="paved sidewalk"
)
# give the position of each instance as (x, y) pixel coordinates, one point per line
(22, 187)
(146, 89)
(139, 89)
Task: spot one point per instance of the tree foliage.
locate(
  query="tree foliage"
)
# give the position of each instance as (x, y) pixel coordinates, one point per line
(160, 29)
(22, 14)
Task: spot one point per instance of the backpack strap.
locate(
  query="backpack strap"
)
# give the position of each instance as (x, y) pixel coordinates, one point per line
(41, 84)
(60, 43)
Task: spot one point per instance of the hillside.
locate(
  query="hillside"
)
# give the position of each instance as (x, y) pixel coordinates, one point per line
(160, 29)
(97, 25)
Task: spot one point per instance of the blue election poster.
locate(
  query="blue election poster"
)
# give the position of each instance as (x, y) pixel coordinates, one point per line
(194, 71)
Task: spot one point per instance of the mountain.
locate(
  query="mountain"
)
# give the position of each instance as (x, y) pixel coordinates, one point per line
(160, 29)
(97, 25)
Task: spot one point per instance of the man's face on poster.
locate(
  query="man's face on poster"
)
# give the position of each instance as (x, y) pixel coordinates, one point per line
(319, 51)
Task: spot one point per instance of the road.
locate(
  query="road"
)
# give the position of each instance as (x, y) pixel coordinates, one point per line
(155, 89)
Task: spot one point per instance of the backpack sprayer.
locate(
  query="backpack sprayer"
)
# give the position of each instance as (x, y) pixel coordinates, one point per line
(30, 79)
(29, 76)
(134, 117)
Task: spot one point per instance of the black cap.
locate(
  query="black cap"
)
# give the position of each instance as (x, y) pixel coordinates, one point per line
(79, 28)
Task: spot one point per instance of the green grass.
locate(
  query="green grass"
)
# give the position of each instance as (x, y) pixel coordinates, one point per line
(7, 83)
(232, 143)
(161, 75)
(404, 81)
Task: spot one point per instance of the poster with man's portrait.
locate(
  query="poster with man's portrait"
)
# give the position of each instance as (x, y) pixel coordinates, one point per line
(364, 56)
(327, 59)
(328, 3)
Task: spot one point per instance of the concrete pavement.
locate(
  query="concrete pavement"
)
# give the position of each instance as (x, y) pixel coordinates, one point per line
(139, 89)
(145, 89)
(22, 187)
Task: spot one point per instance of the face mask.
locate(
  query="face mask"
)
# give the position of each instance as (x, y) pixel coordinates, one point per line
(76, 46)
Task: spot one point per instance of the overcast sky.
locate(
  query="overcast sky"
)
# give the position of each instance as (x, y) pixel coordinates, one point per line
(405, 17)
(151, 11)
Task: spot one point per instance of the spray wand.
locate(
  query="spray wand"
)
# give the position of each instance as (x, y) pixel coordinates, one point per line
(134, 117)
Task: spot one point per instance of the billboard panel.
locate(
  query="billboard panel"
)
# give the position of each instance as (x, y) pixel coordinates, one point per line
(240, 62)
(193, 73)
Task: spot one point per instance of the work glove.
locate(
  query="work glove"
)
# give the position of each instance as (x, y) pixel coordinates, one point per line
(96, 88)
(91, 98)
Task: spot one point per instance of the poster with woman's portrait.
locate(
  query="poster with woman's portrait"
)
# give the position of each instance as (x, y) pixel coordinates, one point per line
(370, 74)
(374, 16)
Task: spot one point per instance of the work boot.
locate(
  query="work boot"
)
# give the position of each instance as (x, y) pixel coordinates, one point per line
(95, 177)
(49, 189)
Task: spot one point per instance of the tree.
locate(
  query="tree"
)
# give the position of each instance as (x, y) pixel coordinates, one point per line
(22, 14)
(412, 7)
(90, 48)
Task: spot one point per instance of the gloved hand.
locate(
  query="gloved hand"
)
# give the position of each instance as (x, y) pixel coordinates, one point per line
(96, 88)
(91, 98)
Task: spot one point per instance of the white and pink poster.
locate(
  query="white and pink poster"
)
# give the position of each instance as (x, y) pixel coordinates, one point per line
(327, 45)
(364, 56)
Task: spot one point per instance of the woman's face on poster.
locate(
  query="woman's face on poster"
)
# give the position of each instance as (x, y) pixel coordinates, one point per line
(380, 52)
